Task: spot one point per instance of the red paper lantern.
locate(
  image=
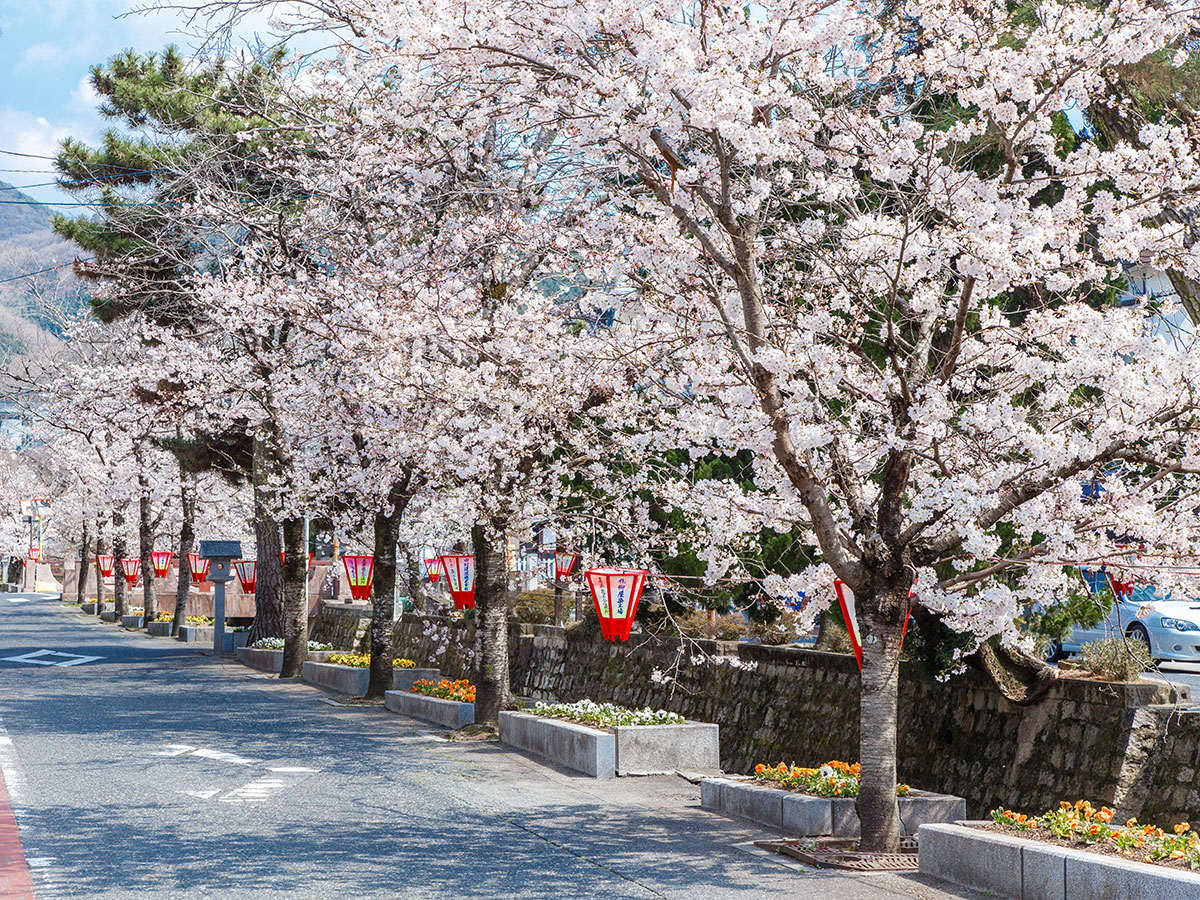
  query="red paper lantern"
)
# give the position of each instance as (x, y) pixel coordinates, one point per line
(433, 568)
(360, 572)
(131, 569)
(35, 554)
(564, 564)
(460, 578)
(106, 564)
(161, 561)
(198, 567)
(247, 573)
(616, 593)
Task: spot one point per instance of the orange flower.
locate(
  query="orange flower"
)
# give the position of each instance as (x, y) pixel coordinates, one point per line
(1182, 827)
(759, 769)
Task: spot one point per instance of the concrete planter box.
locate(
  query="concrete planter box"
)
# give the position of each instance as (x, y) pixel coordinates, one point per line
(801, 815)
(108, 616)
(89, 608)
(272, 660)
(159, 629)
(132, 621)
(448, 713)
(343, 679)
(1019, 869)
(588, 750)
(235, 639)
(194, 634)
(623, 750)
(404, 679)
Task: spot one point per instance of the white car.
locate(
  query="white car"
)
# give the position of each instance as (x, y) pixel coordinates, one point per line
(1170, 627)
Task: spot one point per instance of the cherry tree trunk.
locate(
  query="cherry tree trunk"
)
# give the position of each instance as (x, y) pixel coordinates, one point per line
(101, 548)
(187, 536)
(295, 599)
(877, 808)
(268, 592)
(119, 551)
(491, 623)
(383, 601)
(145, 547)
(85, 559)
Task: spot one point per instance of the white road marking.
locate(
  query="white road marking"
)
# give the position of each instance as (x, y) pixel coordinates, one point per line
(43, 658)
(20, 599)
(173, 750)
(256, 791)
(39, 862)
(291, 769)
(203, 795)
(222, 756)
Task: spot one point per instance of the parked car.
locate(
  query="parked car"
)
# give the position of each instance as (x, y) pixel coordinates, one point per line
(1169, 627)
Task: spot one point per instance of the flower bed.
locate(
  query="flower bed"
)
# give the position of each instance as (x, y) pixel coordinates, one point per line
(1079, 824)
(1002, 861)
(352, 680)
(187, 620)
(355, 660)
(403, 663)
(834, 779)
(604, 740)
(274, 643)
(808, 802)
(605, 715)
(461, 691)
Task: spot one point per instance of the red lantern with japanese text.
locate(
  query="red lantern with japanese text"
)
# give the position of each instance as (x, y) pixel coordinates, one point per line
(35, 554)
(616, 593)
(198, 567)
(106, 564)
(433, 569)
(131, 568)
(360, 572)
(460, 578)
(161, 561)
(564, 564)
(247, 573)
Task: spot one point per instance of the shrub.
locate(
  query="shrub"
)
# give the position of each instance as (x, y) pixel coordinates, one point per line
(784, 629)
(694, 623)
(1114, 660)
(536, 607)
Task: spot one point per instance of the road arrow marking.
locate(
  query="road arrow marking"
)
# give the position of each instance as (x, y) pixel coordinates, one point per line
(203, 795)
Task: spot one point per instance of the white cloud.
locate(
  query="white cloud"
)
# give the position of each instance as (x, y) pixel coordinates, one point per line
(45, 53)
(84, 98)
(24, 132)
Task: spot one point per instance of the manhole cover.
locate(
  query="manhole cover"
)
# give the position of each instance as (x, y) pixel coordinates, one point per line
(836, 853)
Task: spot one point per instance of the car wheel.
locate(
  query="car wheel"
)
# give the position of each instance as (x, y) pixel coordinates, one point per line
(1140, 639)
(1053, 651)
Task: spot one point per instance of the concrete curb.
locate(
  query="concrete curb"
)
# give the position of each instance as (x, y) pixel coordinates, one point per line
(449, 713)
(159, 629)
(802, 815)
(588, 750)
(343, 679)
(132, 621)
(404, 679)
(1019, 869)
(89, 608)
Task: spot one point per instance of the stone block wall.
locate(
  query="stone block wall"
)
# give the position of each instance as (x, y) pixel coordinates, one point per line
(1125, 745)
(345, 626)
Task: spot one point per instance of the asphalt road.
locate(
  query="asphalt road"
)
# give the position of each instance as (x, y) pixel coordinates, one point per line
(141, 769)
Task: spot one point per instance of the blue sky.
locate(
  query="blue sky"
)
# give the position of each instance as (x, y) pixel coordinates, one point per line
(46, 49)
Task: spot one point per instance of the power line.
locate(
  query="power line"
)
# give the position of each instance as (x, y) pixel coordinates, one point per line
(43, 271)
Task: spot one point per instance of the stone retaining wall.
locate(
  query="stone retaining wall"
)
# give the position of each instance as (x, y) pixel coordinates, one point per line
(1120, 744)
(346, 627)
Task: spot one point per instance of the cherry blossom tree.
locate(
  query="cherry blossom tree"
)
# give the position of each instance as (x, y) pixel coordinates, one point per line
(881, 271)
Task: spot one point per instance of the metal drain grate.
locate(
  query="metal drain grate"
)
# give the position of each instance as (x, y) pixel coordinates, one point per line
(843, 854)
